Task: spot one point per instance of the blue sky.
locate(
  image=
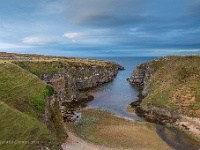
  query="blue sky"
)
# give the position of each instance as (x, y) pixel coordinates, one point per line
(91, 28)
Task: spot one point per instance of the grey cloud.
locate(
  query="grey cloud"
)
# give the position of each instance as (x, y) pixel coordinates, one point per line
(153, 17)
(194, 7)
(114, 21)
(96, 11)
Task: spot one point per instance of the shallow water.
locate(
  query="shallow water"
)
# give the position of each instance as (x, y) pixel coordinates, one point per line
(176, 139)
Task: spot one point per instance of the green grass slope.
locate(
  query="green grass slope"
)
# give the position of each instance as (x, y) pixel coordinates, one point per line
(22, 90)
(176, 84)
(19, 131)
(22, 105)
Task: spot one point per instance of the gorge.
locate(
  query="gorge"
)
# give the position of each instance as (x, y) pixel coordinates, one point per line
(64, 92)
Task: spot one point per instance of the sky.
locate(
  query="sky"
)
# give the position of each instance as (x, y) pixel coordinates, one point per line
(100, 28)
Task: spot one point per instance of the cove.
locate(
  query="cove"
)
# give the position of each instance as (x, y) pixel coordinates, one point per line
(118, 94)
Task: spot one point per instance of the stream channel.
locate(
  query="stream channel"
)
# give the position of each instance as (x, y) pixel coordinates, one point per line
(118, 94)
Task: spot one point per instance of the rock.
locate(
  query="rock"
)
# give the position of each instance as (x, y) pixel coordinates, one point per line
(139, 78)
(71, 80)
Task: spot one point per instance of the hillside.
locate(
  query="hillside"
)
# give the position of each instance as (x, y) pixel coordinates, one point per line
(169, 90)
(20, 131)
(22, 104)
(39, 93)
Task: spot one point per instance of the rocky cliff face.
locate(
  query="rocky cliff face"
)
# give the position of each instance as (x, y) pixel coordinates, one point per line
(141, 78)
(70, 83)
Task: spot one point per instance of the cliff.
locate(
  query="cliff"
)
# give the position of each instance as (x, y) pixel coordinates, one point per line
(71, 80)
(169, 92)
(49, 103)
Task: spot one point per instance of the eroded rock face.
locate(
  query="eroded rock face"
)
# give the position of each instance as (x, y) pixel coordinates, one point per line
(140, 78)
(158, 114)
(71, 80)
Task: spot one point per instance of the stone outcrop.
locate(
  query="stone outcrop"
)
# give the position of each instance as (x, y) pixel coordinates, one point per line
(153, 113)
(72, 82)
(140, 78)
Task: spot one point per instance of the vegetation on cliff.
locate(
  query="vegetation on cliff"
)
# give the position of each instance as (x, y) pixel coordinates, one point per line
(175, 84)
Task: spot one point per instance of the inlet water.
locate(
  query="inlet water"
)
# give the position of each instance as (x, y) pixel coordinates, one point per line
(117, 95)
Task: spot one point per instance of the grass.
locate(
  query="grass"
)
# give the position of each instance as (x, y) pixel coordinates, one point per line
(103, 128)
(175, 82)
(41, 67)
(130, 109)
(18, 127)
(76, 62)
(56, 123)
(22, 90)
(22, 105)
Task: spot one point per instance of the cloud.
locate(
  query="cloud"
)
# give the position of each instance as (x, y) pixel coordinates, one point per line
(73, 35)
(106, 24)
(39, 40)
(13, 46)
(176, 50)
(103, 13)
(158, 23)
(51, 8)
